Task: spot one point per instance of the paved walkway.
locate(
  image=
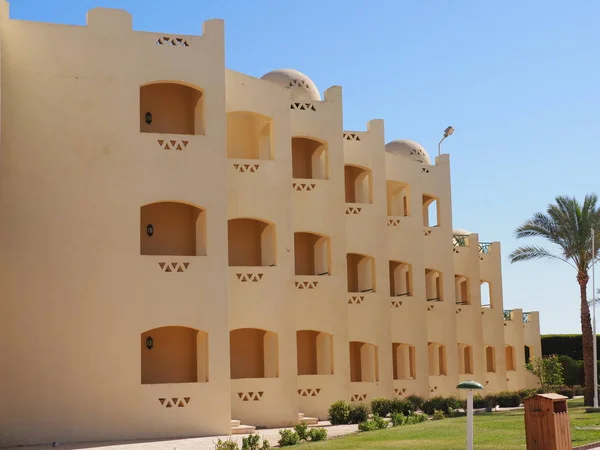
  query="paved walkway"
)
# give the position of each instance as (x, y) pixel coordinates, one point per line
(204, 443)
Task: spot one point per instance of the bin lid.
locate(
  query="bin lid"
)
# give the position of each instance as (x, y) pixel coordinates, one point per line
(553, 397)
(469, 385)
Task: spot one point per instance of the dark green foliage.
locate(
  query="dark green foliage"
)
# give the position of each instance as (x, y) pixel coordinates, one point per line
(416, 401)
(317, 434)
(438, 415)
(381, 406)
(479, 402)
(572, 370)
(339, 413)
(508, 399)
(578, 390)
(252, 442)
(401, 405)
(564, 344)
(526, 393)
(398, 419)
(566, 391)
(441, 403)
(367, 425)
(288, 437)
(229, 444)
(416, 418)
(359, 412)
(301, 430)
(380, 422)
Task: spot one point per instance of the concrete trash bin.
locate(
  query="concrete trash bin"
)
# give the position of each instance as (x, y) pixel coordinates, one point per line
(547, 423)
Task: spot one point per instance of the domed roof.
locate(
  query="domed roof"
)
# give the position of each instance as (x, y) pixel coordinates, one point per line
(409, 149)
(461, 232)
(303, 88)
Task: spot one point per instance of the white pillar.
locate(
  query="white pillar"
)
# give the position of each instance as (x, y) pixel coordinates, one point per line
(470, 419)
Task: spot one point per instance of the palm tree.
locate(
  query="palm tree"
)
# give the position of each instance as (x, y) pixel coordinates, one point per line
(568, 225)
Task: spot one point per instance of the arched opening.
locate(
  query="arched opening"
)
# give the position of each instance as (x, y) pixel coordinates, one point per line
(404, 361)
(248, 136)
(433, 286)
(171, 108)
(361, 273)
(510, 358)
(487, 300)
(358, 184)
(311, 254)
(364, 362)
(490, 359)
(431, 211)
(437, 359)
(174, 355)
(309, 159)
(253, 353)
(527, 354)
(465, 359)
(397, 199)
(400, 279)
(314, 351)
(251, 242)
(462, 290)
(172, 228)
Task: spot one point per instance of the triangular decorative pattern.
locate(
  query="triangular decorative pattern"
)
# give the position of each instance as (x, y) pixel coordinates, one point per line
(298, 82)
(249, 277)
(356, 299)
(353, 210)
(433, 388)
(359, 397)
(168, 144)
(303, 106)
(173, 266)
(172, 41)
(424, 170)
(395, 303)
(243, 168)
(393, 222)
(309, 392)
(399, 392)
(174, 402)
(250, 396)
(306, 284)
(426, 232)
(304, 187)
(351, 137)
(430, 307)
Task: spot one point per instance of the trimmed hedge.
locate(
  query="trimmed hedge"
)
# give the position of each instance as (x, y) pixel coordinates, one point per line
(564, 344)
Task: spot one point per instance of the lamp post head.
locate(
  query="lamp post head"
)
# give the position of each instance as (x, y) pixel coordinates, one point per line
(448, 131)
(469, 385)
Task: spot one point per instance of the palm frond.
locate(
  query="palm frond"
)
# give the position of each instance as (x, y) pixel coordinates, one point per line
(533, 252)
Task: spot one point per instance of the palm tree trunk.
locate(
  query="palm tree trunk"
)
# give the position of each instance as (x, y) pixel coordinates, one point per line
(588, 343)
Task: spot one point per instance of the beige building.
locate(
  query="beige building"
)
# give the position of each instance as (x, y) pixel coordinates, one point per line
(183, 245)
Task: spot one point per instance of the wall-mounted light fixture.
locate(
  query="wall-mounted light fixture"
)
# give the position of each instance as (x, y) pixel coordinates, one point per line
(149, 342)
(150, 229)
(148, 117)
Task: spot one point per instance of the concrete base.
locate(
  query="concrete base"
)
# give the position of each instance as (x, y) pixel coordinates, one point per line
(591, 409)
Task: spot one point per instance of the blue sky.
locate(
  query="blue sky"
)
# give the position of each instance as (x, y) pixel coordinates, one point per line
(518, 80)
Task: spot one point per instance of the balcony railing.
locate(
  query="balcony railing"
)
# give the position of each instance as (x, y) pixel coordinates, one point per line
(508, 315)
(460, 240)
(436, 299)
(484, 247)
(526, 317)
(401, 295)
(487, 306)
(462, 302)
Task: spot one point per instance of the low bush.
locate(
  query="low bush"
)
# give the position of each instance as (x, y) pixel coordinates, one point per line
(456, 412)
(381, 406)
(228, 444)
(565, 390)
(301, 430)
(252, 442)
(401, 405)
(438, 415)
(416, 401)
(288, 437)
(367, 425)
(508, 399)
(380, 422)
(578, 390)
(398, 419)
(479, 401)
(317, 434)
(359, 412)
(416, 418)
(441, 403)
(526, 393)
(339, 413)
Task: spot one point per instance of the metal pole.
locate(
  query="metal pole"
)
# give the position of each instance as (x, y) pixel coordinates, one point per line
(470, 419)
(594, 317)
(440, 146)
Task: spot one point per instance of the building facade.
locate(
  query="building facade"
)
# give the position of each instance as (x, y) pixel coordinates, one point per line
(184, 245)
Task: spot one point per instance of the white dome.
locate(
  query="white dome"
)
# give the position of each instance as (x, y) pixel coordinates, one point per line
(409, 149)
(303, 88)
(461, 232)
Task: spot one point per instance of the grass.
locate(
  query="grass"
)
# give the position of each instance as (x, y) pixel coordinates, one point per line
(499, 431)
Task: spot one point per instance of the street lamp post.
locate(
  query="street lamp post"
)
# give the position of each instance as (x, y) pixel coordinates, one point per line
(594, 317)
(447, 132)
(470, 386)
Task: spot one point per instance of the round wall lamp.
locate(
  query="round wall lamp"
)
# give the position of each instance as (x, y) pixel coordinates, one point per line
(148, 117)
(149, 342)
(150, 229)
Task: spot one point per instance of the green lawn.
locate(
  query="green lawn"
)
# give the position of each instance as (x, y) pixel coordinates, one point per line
(501, 430)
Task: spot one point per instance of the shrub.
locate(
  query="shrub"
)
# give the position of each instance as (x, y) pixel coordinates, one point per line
(339, 413)
(381, 406)
(438, 415)
(416, 401)
(401, 405)
(301, 430)
(367, 425)
(288, 437)
(252, 442)
(491, 400)
(578, 390)
(416, 418)
(229, 444)
(398, 419)
(526, 393)
(317, 434)
(441, 403)
(380, 422)
(359, 412)
(508, 399)
(456, 412)
(572, 370)
(479, 401)
(566, 391)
